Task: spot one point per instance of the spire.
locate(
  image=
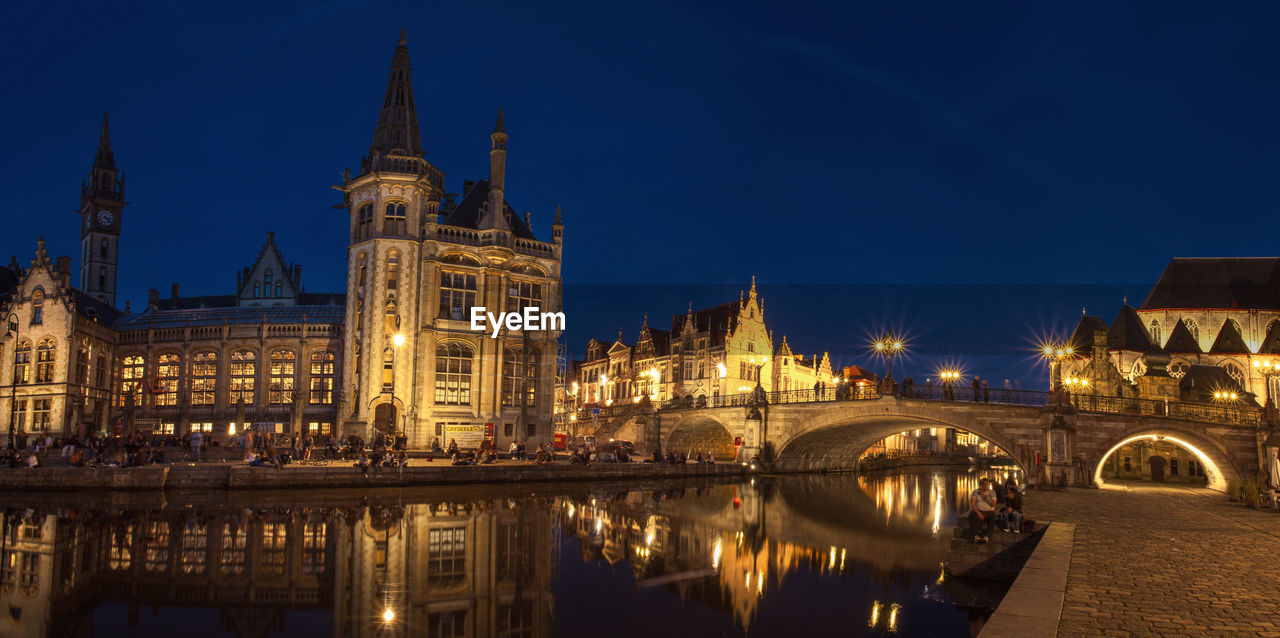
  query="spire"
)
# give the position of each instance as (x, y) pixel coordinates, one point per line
(495, 215)
(558, 221)
(397, 128)
(498, 128)
(104, 158)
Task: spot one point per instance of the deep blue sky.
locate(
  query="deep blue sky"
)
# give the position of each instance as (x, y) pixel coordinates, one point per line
(841, 142)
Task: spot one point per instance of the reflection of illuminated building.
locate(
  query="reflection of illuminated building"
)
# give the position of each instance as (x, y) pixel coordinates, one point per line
(386, 570)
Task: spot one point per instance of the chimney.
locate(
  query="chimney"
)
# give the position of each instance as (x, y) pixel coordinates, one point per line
(153, 299)
(466, 187)
(271, 236)
(63, 267)
(175, 291)
(297, 277)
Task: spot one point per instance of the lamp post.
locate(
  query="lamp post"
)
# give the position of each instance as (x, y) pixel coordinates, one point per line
(889, 346)
(1269, 369)
(12, 331)
(1051, 353)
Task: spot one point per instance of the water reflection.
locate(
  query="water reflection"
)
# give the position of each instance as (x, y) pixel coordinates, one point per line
(769, 557)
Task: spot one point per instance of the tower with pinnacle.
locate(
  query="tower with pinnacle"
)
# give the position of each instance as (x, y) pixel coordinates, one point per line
(101, 205)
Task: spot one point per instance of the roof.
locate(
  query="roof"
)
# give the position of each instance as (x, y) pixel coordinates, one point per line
(1235, 282)
(92, 308)
(8, 281)
(1082, 337)
(231, 315)
(718, 320)
(467, 213)
(1229, 340)
(1271, 342)
(1128, 333)
(1181, 340)
(661, 341)
(1201, 381)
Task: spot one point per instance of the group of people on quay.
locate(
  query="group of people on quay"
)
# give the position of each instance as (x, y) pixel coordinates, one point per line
(95, 451)
(993, 505)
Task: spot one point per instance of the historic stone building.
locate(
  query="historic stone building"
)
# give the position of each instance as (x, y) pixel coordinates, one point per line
(1208, 325)
(394, 353)
(717, 351)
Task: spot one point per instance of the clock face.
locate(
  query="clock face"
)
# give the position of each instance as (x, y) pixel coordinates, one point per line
(105, 218)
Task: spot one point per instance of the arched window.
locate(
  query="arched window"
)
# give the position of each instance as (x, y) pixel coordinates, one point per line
(388, 369)
(453, 374)
(257, 289)
(393, 222)
(283, 367)
(279, 289)
(22, 362)
(244, 370)
(46, 355)
(1173, 467)
(519, 377)
(1235, 373)
(393, 272)
(1179, 369)
(1128, 464)
(132, 368)
(168, 369)
(37, 308)
(364, 222)
(102, 279)
(82, 366)
(363, 271)
(102, 248)
(321, 378)
(1155, 332)
(204, 378)
(457, 295)
(1192, 327)
(523, 294)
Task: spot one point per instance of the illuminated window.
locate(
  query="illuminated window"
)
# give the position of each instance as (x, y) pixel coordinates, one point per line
(168, 427)
(393, 219)
(457, 295)
(244, 370)
(37, 308)
(168, 367)
(1192, 327)
(22, 362)
(41, 413)
(131, 371)
(1155, 332)
(523, 294)
(519, 377)
(46, 354)
(120, 554)
(195, 542)
(206, 426)
(453, 374)
(446, 556)
(393, 273)
(204, 378)
(282, 372)
(20, 422)
(313, 548)
(321, 378)
(323, 428)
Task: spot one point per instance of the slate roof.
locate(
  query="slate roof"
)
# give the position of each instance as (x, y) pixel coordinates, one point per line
(467, 213)
(1229, 340)
(8, 281)
(1271, 343)
(661, 341)
(92, 308)
(1236, 282)
(718, 320)
(1181, 340)
(231, 315)
(1082, 337)
(1128, 333)
(229, 301)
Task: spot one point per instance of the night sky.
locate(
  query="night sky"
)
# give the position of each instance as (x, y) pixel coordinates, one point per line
(850, 143)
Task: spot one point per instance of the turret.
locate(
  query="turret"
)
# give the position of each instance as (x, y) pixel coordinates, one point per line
(494, 216)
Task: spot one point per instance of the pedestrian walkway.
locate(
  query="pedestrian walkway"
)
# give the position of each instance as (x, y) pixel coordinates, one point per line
(1164, 560)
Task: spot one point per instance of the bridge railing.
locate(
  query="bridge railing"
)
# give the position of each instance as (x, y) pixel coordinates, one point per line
(1205, 412)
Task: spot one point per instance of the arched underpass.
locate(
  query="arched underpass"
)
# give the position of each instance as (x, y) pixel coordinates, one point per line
(838, 447)
(701, 435)
(1218, 469)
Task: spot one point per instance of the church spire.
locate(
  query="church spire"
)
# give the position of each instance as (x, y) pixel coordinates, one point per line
(104, 158)
(397, 129)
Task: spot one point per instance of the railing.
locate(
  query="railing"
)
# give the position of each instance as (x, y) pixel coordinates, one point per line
(1238, 414)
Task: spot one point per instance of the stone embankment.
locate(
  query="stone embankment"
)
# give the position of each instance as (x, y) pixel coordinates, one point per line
(239, 476)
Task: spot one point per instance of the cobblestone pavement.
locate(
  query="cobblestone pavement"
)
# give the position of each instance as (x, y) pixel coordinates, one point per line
(1154, 560)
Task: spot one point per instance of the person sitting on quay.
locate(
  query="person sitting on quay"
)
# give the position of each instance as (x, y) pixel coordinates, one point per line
(514, 451)
(453, 447)
(982, 509)
(1011, 513)
(362, 463)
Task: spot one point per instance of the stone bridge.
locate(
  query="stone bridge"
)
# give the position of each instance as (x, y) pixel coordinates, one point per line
(1069, 439)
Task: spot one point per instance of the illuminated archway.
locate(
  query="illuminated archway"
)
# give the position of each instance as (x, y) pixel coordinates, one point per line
(840, 446)
(701, 435)
(1217, 470)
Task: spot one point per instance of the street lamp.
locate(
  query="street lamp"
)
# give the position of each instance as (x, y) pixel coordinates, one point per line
(889, 345)
(1055, 352)
(949, 377)
(12, 321)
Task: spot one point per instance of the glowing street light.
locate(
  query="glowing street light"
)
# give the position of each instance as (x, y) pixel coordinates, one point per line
(889, 346)
(388, 615)
(399, 341)
(1053, 352)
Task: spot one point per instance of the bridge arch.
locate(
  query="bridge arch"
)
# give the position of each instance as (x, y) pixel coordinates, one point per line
(840, 444)
(1219, 469)
(701, 433)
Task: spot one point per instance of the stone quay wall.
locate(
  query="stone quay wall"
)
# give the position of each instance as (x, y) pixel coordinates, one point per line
(191, 476)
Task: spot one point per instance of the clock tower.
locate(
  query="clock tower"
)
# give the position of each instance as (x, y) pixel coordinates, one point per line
(101, 202)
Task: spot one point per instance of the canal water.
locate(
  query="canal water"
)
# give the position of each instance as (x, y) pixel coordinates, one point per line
(769, 556)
